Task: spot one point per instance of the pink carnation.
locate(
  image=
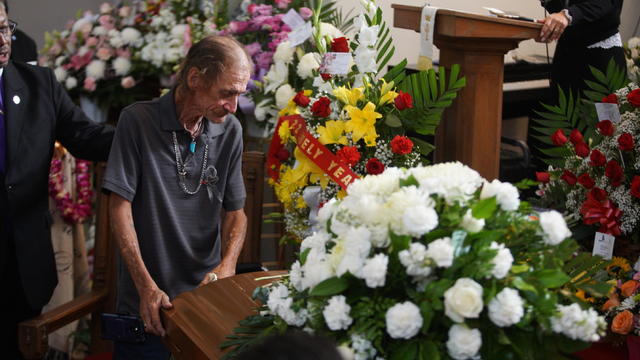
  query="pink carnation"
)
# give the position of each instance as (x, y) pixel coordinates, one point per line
(90, 84)
(124, 53)
(282, 4)
(238, 27)
(253, 48)
(104, 53)
(92, 41)
(305, 12)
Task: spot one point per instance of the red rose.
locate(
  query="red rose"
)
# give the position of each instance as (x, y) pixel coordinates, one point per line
(586, 181)
(605, 127)
(543, 177)
(614, 172)
(598, 194)
(597, 158)
(576, 137)
(634, 98)
(582, 149)
(301, 100)
(374, 166)
(611, 99)
(635, 186)
(558, 138)
(401, 145)
(569, 177)
(403, 100)
(625, 142)
(340, 44)
(283, 154)
(322, 107)
(349, 155)
(325, 77)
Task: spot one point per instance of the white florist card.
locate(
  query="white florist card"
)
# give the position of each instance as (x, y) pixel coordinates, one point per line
(608, 111)
(300, 34)
(603, 245)
(293, 19)
(336, 63)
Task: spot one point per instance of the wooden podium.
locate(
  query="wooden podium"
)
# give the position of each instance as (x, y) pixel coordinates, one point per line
(470, 131)
(201, 318)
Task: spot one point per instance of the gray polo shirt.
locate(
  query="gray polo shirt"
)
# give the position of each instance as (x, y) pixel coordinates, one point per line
(178, 233)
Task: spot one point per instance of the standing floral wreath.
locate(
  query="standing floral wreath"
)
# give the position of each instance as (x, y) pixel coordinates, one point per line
(72, 211)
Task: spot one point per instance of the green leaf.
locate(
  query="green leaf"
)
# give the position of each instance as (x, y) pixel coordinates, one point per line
(408, 350)
(410, 181)
(485, 208)
(550, 278)
(303, 256)
(393, 121)
(430, 351)
(517, 269)
(524, 286)
(330, 286)
(399, 242)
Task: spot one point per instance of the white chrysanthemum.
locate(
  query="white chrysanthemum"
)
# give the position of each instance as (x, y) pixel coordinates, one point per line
(415, 260)
(308, 63)
(59, 61)
(279, 303)
(463, 300)
(277, 296)
(71, 83)
(61, 74)
(403, 320)
(130, 36)
(317, 240)
(578, 324)
(375, 270)
(506, 194)
(554, 227)
(416, 221)
(122, 66)
(464, 343)
(295, 275)
(336, 313)
(507, 308)
(329, 30)
(283, 95)
(327, 210)
(470, 223)
(363, 348)
(115, 39)
(502, 261)
(284, 52)
(99, 31)
(384, 184)
(453, 181)
(95, 69)
(441, 251)
(367, 208)
(365, 59)
(316, 269)
(368, 35)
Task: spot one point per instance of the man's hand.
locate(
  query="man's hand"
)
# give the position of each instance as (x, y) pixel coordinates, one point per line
(221, 271)
(553, 27)
(151, 300)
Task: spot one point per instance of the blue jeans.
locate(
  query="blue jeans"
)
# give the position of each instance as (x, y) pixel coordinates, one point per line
(150, 349)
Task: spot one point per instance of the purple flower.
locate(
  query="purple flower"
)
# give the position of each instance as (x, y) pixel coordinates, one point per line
(264, 59)
(253, 48)
(238, 27)
(282, 4)
(305, 12)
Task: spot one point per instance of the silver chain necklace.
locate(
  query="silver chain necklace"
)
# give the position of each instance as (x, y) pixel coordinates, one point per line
(182, 172)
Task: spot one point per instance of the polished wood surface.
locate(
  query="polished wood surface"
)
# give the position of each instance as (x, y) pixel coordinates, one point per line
(202, 318)
(471, 129)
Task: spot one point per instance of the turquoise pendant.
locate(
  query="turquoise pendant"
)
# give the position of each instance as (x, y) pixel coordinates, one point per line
(192, 146)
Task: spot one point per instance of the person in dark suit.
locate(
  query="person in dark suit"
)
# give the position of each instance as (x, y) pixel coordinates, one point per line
(23, 48)
(35, 111)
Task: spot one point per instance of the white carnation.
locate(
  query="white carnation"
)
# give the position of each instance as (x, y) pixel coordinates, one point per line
(336, 313)
(71, 83)
(375, 270)
(470, 223)
(441, 251)
(453, 181)
(122, 66)
(463, 343)
(317, 241)
(463, 300)
(502, 261)
(295, 275)
(99, 31)
(415, 260)
(417, 221)
(578, 324)
(506, 194)
(95, 69)
(61, 74)
(403, 320)
(316, 269)
(365, 59)
(554, 227)
(284, 53)
(279, 303)
(308, 63)
(507, 308)
(283, 95)
(115, 39)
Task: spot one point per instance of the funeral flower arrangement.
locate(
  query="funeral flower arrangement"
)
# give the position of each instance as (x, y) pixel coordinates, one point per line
(632, 50)
(599, 183)
(118, 54)
(430, 262)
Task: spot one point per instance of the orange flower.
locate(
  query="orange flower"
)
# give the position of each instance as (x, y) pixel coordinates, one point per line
(612, 302)
(629, 288)
(622, 323)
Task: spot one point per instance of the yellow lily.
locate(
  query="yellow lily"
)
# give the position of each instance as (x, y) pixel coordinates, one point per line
(308, 167)
(332, 133)
(349, 97)
(362, 122)
(387, 95)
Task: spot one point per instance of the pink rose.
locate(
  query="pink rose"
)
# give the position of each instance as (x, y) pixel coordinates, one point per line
(127, 82)
(238, 27)
(282, 4)
(124, 11)
(92, 41)
(305, 12)
(107, 22)
(90, 84)
(104, 53)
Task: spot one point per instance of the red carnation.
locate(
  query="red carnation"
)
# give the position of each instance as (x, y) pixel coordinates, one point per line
(625, 142)
(610, 99)
(322, 107)
(301, 100)
(582, 149)
(576, 137)
(401, 145)
(349, 155)
(586, 181)
(558, 138)
(614, 172)
(403, 100)
(598, 194)
(283, 154)
(374, 166)
(605, 127)
(634, 98)
(597, 158)
(543, 177)
(340, 44)
(635, 186)
(325, 77)
(569, 177)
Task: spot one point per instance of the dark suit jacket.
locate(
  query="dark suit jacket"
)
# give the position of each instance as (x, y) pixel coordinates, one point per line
(593, 20)
(38, 112)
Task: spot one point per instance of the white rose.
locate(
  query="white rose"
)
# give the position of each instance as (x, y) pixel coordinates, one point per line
(375, 270)
(502, 261)
(336, 313)
(507, 308)
(441, 251)
(71, 83)
(122, 66)
(61, 74)
(368, 35)
(403, 320)
(463, 343)
(506, 194)
(365, 59)
(470, 223)
(283, 95)
(308, 63)
(417, 221)
(554, 227)
(95, 69)
(284, 52)
(463, 300)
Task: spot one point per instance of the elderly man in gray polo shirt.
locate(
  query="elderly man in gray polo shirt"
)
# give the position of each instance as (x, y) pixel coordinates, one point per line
(174, 164)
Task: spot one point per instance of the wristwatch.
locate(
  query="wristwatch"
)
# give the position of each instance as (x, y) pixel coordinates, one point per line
(567, 15)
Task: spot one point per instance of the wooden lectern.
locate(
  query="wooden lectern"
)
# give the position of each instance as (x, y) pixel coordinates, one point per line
(471, 129)
(202, 318)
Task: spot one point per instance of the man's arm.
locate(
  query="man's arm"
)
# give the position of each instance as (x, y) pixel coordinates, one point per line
(234, 229)
(151, 297)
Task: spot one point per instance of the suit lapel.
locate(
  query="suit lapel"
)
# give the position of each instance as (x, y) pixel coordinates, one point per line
(14, 103)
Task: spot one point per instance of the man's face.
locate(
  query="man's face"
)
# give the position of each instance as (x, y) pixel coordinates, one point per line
(5, 38)
(221, 98)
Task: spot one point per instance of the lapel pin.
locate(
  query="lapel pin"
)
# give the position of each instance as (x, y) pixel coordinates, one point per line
(16, 99)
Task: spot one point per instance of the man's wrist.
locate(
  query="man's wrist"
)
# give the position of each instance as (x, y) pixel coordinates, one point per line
(567, 15)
